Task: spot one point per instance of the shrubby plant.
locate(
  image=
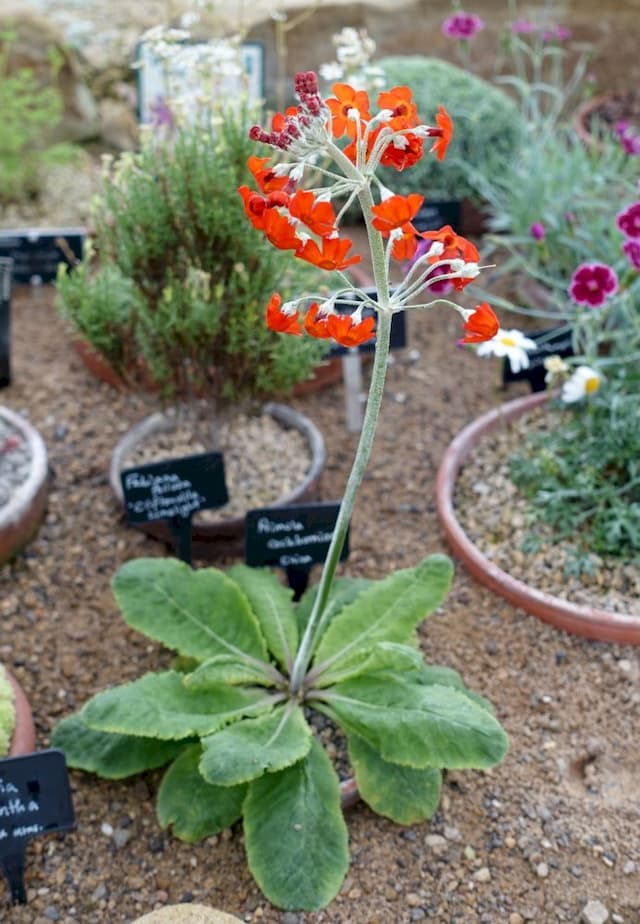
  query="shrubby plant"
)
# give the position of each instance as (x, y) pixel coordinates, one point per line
(171, 289)
(232, 716)
(29, 114)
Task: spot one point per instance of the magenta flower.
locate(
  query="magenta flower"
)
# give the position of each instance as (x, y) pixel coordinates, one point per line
(592, 284)
(629, 220)
(559, 33)
(632, 252)
(462, 25)
(523, 27)
(443, 285)
(629, 140)
(537, 231)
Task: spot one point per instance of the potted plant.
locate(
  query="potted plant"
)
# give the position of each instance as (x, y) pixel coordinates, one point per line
(169, 298)
(571, 472)
(17, 732)
(232, 714)
(24, 480)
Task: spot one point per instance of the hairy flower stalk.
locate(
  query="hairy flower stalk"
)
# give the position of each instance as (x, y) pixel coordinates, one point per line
(304, 221)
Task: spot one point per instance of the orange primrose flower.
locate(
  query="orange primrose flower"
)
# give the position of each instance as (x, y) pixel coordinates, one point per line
(350, 150)
(395, 212)
(404, 247)
(346, 98)
(348, 334)
(279, 320)
(455, 246)
(279, 120)
(314, 325)
(319, 216)
(404, 151)
(443, 133)
(264, 176)
(481, 325)
(279, 230)
(256, 204)
(331, 257)
(400, 101)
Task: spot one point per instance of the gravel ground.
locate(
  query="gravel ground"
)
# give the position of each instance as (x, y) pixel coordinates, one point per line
(552, 829)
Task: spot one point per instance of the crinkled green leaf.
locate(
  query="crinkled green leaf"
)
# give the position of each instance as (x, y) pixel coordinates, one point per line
(388, 611)
(195, 808)
(272, 604)
(161, 706)
(110, 755)
(247, 749)
(295, 835)
(343, 591)
(223, 669)
(383, 657)
(197, 612)
(404, 794)
(417, 725)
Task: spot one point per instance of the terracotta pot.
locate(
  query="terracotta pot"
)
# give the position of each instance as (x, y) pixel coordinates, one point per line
(24, 733)
(210, 541)
(587, 621)
(20, 518)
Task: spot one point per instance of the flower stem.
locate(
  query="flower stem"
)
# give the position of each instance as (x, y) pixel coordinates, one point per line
(317, 618)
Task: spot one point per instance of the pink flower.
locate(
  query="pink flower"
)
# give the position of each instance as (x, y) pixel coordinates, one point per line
(629, 140)
(629, 220)
(523, 27)
(436, 288)
(631, 249)
(560, 33)
(592, 284)
(462, 25)
(537, 231)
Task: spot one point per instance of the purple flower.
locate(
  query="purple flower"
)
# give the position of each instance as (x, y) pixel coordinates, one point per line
(161, 114)
(462, 25)
(632, 251)
(443, 285)
(537, 231)
(629, 220)
(560, 33)
(592, 283)
(569, 217)
(523, 27)
(628, 138)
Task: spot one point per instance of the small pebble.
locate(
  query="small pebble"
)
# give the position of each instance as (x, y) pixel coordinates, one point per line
(542, 870)
(51, 913)
(594, 912)
(106, 829)
(629, 868)
(482, 875)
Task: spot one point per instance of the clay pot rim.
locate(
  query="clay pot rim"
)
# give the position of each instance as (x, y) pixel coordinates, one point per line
(581, 114)
(284, 414)
(23, 740)
(578, 619)
(24, 494)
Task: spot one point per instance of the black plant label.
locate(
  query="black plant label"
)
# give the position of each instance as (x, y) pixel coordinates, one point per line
(175, 488)
(297, 536)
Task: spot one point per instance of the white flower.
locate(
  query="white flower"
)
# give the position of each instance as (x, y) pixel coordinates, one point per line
(555, 365)
(331, 71)
(510, 343)
(584, 381)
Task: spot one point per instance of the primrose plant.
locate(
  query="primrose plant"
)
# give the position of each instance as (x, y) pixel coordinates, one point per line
(232, 717)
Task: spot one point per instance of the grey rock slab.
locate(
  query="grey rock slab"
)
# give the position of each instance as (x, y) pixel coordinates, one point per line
(187, 914)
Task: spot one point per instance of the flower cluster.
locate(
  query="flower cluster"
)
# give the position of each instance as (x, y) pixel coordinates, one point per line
(354, 50)
(629, 139)
(305, 221)
(461, 25)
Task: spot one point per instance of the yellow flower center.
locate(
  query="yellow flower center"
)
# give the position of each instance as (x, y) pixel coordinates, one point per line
(507, 341)
(592, 384)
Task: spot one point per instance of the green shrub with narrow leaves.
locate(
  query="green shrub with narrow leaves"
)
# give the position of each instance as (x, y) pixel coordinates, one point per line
(175, 283)
(487, 126)
(236, 737)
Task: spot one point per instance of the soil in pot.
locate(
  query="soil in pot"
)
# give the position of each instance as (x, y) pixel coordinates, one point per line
(23, 482)
(498, 519)
(15, 459)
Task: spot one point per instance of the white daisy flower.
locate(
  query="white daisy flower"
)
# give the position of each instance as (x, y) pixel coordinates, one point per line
(585, 381)
(510, 343)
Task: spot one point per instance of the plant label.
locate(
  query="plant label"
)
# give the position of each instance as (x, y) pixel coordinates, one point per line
(174, 490)
(6, 265)
(398, 327)
(36, 252)
(436, 213)
(293, 538)
(555, 341)
(35, 799)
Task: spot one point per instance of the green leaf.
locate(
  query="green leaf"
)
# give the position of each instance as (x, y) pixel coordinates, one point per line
(388, 611)
(404, 794)
(195, 808)
(247, 749)
(109, 755)
(160, 706)
(416, 725)
(271, 603)
(295, 835)
(227, 669)
(383, 658)
(343, 591)
(196, 612)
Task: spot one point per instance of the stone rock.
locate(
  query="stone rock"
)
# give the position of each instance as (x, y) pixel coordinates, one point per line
(33, 46)
(187, 914)
(594, 912)
(118, 124)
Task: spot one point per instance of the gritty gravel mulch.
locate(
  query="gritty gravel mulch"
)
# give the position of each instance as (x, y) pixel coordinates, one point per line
(551, 829)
